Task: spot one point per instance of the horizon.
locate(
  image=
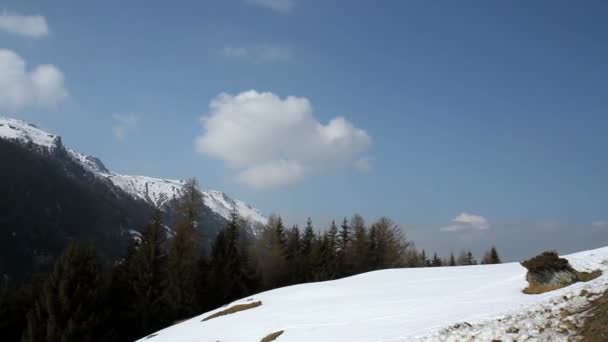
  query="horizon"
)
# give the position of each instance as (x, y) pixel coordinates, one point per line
(469, 126)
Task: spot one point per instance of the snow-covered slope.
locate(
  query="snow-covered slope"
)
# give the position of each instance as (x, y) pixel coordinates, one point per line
(27, 133)
(155, 191)
(467, 303)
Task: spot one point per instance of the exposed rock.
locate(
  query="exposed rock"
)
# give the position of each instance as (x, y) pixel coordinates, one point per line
(549, 271)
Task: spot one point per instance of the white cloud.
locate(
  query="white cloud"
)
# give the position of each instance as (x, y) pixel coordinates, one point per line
(42, 86)
(600, 224)
(282, 6)
(123, 124)
(259, 53)
(465, 222)
(274, 141)
(26, 25)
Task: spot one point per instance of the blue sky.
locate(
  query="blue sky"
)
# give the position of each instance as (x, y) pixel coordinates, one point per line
(495, 110)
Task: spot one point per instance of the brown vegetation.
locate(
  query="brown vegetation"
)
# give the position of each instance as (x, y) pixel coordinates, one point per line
(234, 309)
(595, 328)
(273, 336)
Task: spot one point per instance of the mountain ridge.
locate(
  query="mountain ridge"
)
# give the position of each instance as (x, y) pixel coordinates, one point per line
(158, 192)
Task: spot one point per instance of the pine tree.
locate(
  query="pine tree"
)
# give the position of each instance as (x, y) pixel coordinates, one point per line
(269, 251)
(491, 257)
(70, 307)
(293, 250)
(344, 236)
(436, 262)
(424, 261)
(183, 254)
(228, 274)
(470, 259)
(147, 268)
(308, 238)
(452, 261)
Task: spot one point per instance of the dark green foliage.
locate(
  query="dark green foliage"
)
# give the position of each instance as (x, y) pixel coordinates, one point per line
(547, 261)
(183, 254)
(70, 306)
(15, 302)
(269, 253)
(293, 251)
(491, 257)
(229, 277)
(146, 268)
(49, 200)
(436, 262)
(387, 245)
(345, 236)
(358, 250)
(452, 261)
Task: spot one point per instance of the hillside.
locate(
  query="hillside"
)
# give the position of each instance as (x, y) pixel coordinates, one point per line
(481, 303)
(52, 195)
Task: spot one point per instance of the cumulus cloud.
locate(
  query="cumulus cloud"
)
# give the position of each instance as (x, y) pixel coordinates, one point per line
(259, 53)
(42, 86)
(273, 141)
(600, 224)
(123, 124)
(465, 222)
(25, 25)
(281, 6)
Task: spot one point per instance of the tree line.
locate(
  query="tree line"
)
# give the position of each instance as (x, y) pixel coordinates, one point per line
(166, 278)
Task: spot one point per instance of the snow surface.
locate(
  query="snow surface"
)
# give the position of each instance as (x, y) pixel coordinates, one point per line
(155, 191)
(466, 303)
(25, 132)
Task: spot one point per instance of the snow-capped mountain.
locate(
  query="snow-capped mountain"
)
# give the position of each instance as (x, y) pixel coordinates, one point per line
(157, 192)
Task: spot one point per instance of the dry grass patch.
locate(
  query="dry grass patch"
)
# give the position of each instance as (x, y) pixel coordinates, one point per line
(586, 276)
(595, 328)
(234, 309)
(273, 336)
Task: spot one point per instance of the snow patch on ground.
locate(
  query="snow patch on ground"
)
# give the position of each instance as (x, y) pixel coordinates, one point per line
(468, 303)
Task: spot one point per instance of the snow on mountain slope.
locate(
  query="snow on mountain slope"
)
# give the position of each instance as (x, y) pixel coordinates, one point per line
(155, 191)
(418, 304)
(25, 132)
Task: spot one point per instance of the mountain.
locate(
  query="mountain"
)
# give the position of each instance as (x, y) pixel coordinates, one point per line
(52, 194)
(465, 303)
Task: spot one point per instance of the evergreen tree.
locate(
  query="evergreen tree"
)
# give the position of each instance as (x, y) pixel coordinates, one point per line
(436, 262)
(452, 261)
(293, 251)
(491, 257)
(387, 245)
(147, 268)
(308, 238)
(424, 261)
(70, 307)
(228, 274)
(306, 248)
(183, 254)
(357, 252)
(269, 251)
(344, 236)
